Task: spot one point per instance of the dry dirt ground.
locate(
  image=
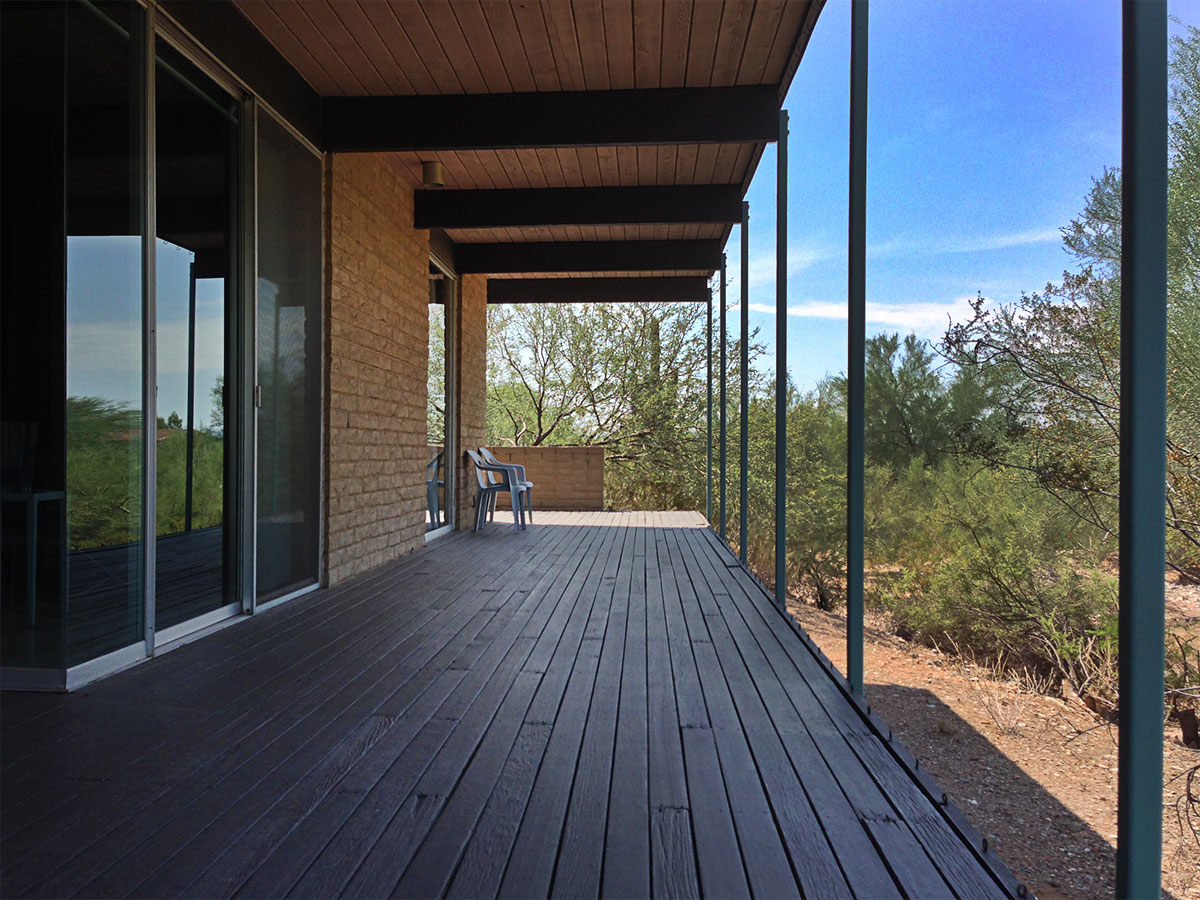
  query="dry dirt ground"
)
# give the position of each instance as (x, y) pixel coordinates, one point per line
(1035, 774)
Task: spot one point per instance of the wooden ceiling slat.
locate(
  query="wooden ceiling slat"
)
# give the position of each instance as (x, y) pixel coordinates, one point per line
(427, 42)
(647, 43)
(706, 162)
(492, 163)
(332, 43)
(379, 52)
(275, 28)
(702, 44)
(627, 165)
(531, 24)
(731, 43)
(589, 165)
(449, 46)
(531, 163)
(337, 25)
(295, 29)
(764, 25)
(685, 164)
(589, 20)
(666, 165)
(481, 47)
(744, 157)
(647, 165)
(568, 164)
(564, 42)
(677, 24)
(548, 158)
(463, 171)
(618, 39)
(507, 36)
(512, 165)
(790, 25)
(610, 173)
(723, 167)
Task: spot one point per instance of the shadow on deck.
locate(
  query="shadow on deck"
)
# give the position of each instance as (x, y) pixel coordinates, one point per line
(576, 710)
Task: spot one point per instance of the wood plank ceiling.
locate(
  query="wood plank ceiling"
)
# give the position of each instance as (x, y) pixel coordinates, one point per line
(407, 48)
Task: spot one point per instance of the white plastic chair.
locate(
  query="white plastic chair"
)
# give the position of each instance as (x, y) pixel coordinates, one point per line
(518, 471)
(488, 489)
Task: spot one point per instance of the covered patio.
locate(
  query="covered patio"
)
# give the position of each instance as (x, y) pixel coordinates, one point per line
(607, 704)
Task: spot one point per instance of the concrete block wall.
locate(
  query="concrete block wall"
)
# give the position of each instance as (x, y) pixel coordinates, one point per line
(377, 291)
(472, 387)
(569, 478)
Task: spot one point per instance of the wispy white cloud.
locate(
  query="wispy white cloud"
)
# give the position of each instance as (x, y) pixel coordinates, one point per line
(965, 243)
(926, 318)
(762, 264)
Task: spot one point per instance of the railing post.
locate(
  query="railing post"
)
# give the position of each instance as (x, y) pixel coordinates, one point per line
(781, 378)
(1143, 445)
(724, 402)
(856, 345)
(708, 441)
(743, 509)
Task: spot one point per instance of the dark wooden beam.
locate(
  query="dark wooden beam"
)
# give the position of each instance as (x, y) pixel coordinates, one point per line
(224, 31)
(587, 256)
(684, 289)
(578, 206)
(552, 119)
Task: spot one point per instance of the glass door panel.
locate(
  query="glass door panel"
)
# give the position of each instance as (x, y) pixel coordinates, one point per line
(289, 362)
(197, 133)
(439, 456)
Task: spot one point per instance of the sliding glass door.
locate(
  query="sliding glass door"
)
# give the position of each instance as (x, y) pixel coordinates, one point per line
(198, 139)
(289, 363)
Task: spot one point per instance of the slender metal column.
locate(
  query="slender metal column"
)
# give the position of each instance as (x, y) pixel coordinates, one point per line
(708, 443)
(190, 424)
(744, 437)
(781, 392)
(724, 401)
(1143, 444)
(149, 217)
(856, 345)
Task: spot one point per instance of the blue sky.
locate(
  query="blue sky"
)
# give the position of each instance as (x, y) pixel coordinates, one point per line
(987, 121)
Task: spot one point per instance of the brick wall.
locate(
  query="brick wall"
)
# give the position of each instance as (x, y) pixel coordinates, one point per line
(563, 477)
(378, 330)
(472, 387)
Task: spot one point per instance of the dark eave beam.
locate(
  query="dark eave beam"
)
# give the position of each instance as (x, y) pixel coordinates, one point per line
(683, 289)
(551, 119)
(709, 203)
(587, 256)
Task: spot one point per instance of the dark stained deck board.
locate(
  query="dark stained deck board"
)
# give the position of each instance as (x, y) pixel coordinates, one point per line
(170, 765)
(626, 843)
(933, 835)
(535, 850)
(273, 754)
(195, 745)
(673, 864)
(603, 704)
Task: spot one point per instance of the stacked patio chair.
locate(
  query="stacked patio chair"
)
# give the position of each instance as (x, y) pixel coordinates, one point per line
(519, 470)
(505, 481)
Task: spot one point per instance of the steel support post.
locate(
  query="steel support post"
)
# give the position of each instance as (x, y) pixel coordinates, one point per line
(1143, 445)
(708, 440)
(744, 374)
(856, 345)
(781, 378)
(723, 401)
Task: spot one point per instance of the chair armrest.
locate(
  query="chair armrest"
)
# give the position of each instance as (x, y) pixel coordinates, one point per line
(507, 473)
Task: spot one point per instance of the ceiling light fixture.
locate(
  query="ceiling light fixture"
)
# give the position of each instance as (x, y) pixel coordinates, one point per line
(432, 174)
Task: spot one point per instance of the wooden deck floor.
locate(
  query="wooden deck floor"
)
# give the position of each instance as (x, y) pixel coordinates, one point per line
(604, 704)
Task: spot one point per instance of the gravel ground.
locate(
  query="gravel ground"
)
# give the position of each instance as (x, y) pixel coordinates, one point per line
(1036, 774)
